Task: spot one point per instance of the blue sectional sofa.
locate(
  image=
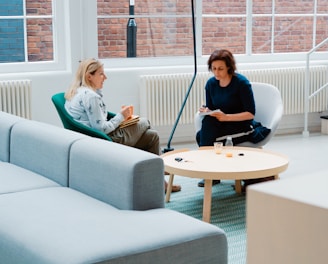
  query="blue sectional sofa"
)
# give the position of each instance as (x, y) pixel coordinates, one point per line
(69, 198)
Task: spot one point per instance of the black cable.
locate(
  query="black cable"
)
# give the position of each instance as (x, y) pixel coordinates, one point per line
(168, 148)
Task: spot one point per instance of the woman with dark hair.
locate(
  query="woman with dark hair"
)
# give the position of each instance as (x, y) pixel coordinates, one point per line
(231, 95)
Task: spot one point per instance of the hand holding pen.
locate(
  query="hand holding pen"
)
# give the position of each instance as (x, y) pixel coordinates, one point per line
(204, 108)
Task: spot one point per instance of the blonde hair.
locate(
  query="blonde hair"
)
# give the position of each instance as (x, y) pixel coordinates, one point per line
(86, 68)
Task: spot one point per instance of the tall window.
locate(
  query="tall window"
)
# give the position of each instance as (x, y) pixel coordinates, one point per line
(163, 28)
(26, 33)
(288, 26)
(224, 26)
(245, 27)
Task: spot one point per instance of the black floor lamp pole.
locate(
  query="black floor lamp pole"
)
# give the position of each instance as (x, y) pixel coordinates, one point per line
(168, 148)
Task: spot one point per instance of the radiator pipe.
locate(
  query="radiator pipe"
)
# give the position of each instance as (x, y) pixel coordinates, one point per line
(168, 147)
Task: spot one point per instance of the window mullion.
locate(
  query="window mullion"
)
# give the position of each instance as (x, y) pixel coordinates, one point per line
(273, 26)
(199, 25)
(249, 27)
(314, 23)
(25, 32)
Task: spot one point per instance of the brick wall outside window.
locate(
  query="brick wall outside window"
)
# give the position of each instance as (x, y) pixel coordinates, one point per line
(223, 26)
(39, 30)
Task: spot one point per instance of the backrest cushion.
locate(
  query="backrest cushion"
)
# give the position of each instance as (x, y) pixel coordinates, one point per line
(6, 123)
(268, 102)
(125, 177)
(43, 149)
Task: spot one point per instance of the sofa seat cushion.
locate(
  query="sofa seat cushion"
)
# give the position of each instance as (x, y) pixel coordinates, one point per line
(16, 179)
(61, 225)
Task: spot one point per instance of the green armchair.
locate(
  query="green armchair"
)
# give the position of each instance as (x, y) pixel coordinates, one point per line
(69, 123)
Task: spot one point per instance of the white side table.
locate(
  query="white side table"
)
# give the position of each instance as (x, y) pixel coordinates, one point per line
(287, 221)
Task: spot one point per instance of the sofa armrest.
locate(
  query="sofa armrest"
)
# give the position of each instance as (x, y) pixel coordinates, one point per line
(125, 177)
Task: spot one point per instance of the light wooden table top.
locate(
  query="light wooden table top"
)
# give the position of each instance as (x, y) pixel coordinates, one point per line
(245, 163)
(204, 163)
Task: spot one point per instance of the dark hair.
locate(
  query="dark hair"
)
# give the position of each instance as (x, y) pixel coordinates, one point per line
(223, 55)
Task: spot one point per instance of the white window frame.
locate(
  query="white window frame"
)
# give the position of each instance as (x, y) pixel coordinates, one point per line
(60, 43)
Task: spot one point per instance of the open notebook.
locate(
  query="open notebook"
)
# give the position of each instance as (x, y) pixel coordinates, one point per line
(209, 112)
(132, 120)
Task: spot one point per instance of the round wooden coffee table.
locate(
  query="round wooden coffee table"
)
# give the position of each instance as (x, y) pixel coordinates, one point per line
(204, 163)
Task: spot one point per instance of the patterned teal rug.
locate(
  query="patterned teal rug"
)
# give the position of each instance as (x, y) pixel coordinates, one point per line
(228, 212)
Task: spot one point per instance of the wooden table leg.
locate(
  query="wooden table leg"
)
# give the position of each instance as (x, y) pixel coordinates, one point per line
(276, 177)
(169, 188)
(207, 203)
(238, 186)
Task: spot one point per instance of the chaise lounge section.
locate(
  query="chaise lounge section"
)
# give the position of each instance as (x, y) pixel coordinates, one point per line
(70, 198)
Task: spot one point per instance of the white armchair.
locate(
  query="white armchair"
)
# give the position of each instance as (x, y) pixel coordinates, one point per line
(269, 110)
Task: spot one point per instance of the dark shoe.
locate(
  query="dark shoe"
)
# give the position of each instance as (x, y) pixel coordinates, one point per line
(175, 188)
(202, 182)
(253, 181)
(258, 180)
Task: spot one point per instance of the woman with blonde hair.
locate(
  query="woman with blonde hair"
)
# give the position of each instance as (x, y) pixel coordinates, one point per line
(85, 104)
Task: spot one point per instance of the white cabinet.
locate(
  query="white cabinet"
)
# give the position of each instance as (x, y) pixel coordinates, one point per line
(287, 221)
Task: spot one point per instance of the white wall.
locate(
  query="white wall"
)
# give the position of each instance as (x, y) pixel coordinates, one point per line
(122, 87)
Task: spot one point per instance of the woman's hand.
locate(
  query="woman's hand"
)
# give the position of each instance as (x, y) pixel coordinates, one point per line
(126, 111)
(220, 116)
(203, 108)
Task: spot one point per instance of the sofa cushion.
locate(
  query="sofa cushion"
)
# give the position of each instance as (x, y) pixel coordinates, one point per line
(6, 123)
(61, 225)
(125, 177)
(16, 179)
(43, 149)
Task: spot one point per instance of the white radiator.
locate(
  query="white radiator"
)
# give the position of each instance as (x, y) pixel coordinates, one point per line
(161, 96)
(291, 83)
(15, 97)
